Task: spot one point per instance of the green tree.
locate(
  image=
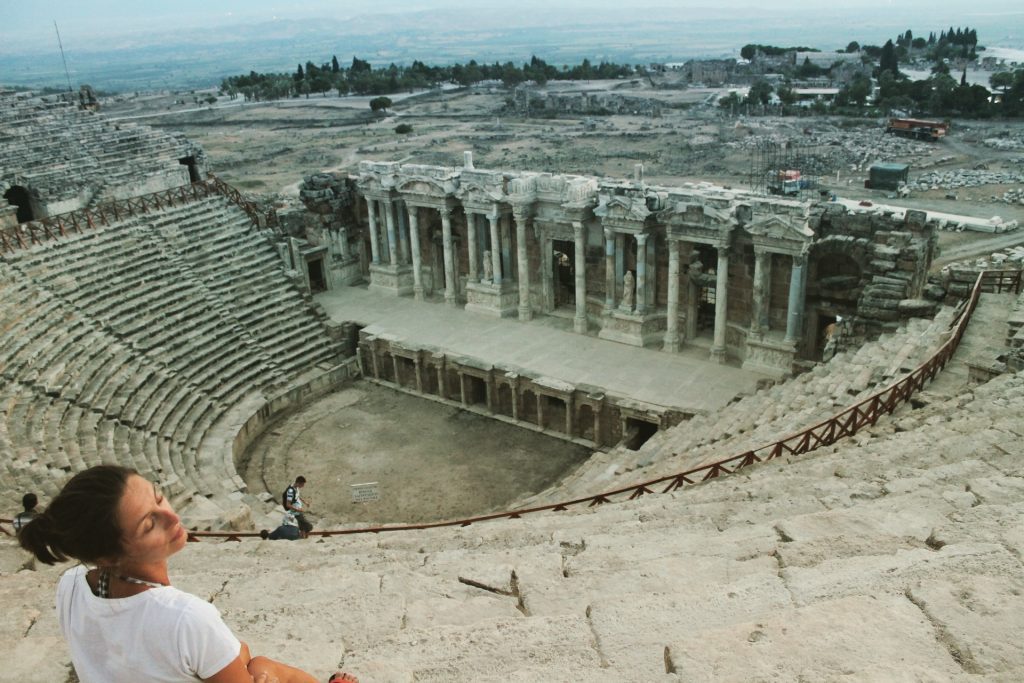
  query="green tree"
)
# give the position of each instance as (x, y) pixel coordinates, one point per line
(403, 129)
(888, 60)
(730, 102)
(1001, 80)
(335, 67)
(857, 91)
(760, 92)
(853, 46)
(380, 104)
(786, 94)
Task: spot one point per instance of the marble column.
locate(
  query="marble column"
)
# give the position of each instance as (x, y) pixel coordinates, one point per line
(414, 246)
(620, 262)
(471, 244)
(371, 210)
(402, 210)
(579, 322)
(762, 273)
(343, 243)
(505, 233)
(495, 248)
(609, 270)
(547, 280)
(672, 322)
(389, 215)
(794, 319)
(382, 232)
(721, 304)
(641, 274)
(450, 292)
(522, 259)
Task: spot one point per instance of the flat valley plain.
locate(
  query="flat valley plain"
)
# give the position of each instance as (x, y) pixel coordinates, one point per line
(678, 133)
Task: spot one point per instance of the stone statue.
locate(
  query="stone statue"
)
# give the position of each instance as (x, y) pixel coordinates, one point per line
(697, 275)
(628, 287)
(488, 266)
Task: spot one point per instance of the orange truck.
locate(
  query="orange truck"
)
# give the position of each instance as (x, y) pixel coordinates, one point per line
(918, 129)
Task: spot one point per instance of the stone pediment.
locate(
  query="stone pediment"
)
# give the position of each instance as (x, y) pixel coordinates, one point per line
(623, 208)
(779, 229)
(483, 187)
(425, 187)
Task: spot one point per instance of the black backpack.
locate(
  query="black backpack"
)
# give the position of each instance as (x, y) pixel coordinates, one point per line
(288, 493)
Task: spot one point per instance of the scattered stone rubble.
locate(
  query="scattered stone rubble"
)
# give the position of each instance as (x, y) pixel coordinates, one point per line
(959, 178)
(1004, 143)
(854, 150)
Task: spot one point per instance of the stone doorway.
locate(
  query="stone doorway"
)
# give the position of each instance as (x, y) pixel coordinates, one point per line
(193, 168)
(18, 196)
(637, 433)
(563, 268)
(317, 278)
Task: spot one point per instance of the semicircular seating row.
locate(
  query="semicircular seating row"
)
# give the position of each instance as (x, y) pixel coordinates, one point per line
(61, 151)
(128, 344)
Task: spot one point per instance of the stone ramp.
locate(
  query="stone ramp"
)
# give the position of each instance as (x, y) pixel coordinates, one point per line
(890, 556)
(983, 341)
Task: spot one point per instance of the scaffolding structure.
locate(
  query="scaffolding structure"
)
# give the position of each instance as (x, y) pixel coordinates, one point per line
(789, 168)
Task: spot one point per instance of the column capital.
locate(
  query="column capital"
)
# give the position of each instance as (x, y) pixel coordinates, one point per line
(445, 211)
(577, 228)
(723, 249)
(800, 260)
(641, 238)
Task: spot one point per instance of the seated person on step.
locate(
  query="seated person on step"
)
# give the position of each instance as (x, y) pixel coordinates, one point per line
(122, 619)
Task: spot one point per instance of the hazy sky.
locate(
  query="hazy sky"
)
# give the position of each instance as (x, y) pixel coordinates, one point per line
(34, 18)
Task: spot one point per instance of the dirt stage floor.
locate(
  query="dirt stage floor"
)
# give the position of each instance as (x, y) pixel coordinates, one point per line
(432, 462)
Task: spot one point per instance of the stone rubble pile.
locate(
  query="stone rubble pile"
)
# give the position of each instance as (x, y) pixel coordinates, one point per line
(762, 418)
(854, 150)
(1003, 143)
(903, 542)
(954, 179)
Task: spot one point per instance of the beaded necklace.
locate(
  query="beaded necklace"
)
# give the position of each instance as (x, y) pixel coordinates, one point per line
(103, 582)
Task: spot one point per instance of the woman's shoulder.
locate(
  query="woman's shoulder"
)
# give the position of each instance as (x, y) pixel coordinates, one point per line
(183, 602)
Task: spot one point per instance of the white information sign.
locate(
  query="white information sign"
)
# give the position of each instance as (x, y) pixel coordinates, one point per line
(365, 493)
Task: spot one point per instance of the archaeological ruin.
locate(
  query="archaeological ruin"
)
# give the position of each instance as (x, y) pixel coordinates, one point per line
(756, 278)
(805, 455)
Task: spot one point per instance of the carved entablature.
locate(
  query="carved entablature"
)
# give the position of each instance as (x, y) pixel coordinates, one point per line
(377, 179)
(701, 223)
(780, 233)
(580, 193)
(522, 189)
(628, 208)
(483, 191)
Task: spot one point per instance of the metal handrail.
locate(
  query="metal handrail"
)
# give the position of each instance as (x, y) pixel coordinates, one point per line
(50, 228)
(845, 423)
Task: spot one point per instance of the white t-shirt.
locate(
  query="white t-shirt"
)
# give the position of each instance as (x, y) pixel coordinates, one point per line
(160, 635)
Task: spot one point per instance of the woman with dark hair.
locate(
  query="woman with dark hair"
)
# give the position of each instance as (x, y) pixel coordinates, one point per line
(123, 620)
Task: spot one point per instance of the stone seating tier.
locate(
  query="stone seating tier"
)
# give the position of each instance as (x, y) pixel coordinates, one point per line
(763, 417)
(891, 556)
(119, 350)
(59, 150)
